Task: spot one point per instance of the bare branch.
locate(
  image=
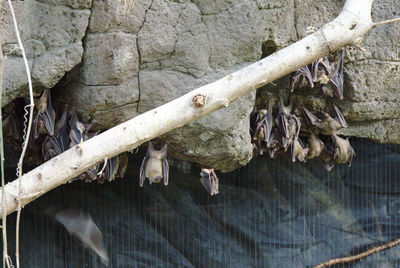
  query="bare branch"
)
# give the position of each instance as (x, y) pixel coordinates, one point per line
(360, 256)
(347, 29)
(379, 23)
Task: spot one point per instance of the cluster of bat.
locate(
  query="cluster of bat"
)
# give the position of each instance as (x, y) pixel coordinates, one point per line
(50, 138)
(277, 130)
(155, 167)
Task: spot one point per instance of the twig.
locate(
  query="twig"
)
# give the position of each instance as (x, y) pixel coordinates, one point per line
(359, 256)
(379, 23)
(28, 132)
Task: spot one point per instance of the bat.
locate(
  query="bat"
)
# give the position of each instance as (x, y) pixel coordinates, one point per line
(57, 144)
(275, 146)
(326, 157)
(320, 69)
(262, 124)
(154, 166)
(209, 180)
(344, 153)
(123, 164)
(43, 122)
(82, 226)
(331, 77)
(110, 170)
(78, 130)
(301, 78)
(293, 130)
(315, 146)
(327, 124)
(337, 77)
(281, 119)
(298, 151)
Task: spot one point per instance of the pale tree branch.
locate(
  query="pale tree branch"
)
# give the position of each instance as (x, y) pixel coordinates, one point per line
(347, 29)
(379, 23)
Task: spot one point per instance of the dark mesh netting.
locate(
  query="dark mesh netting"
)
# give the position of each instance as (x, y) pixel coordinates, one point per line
(271, 213)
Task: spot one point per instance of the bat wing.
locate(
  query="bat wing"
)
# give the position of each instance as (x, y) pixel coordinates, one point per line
(339, 117)
(62, 132)
(49, 117)
(308, 76)
(112, 168)
(293, 151)
(36, 126)
(214, 183)
(310, 118)
(298, 126)
(165, 171)
(142, 170)
(142, 174)
(293, 79)
(205, 180)
(338, 77)
(82, 226)
(123, 164)
(165, 166)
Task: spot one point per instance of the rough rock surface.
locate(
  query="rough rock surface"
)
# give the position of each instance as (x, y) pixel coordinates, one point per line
(52, 33)
(160, 50)
(119, 61)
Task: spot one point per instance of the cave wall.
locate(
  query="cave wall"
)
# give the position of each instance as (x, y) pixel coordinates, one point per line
(113, 62)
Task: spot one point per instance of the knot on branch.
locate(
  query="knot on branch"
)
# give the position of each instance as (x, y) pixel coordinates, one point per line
(199, 101)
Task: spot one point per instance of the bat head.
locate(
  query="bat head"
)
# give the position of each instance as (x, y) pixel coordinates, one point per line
(153, 153)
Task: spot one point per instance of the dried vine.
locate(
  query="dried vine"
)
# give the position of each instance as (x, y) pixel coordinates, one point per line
(359, 256)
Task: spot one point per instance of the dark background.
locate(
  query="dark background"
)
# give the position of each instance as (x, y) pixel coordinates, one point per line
(271, 213)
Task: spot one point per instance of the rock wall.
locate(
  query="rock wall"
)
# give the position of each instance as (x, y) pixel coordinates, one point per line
(113, 62)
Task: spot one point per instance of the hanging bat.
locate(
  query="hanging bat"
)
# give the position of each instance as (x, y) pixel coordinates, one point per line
(78, 132)
(110, 170)
(262, 129)
(301, 78)
(327, 124)
(320, 70)
(315, 145)
(82, 226)
(344, 153)
(57, 144)
(337, 77)
(331, 77)
(210, 181)
(275, 146)
(123, 164)
(298, 151)
(326, 156)
(281, 119)
(293, 130)
(43, 122)
(154, 166)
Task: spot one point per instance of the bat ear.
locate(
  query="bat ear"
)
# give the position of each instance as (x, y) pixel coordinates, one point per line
(151, 147)
(164, 149)
(44, 99)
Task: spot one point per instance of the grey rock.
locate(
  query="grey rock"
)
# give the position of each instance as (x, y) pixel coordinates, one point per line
(109, 59)
(52, 36)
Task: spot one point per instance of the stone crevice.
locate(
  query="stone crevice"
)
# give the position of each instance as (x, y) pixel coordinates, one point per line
(295, 20)
(139, 53)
